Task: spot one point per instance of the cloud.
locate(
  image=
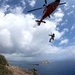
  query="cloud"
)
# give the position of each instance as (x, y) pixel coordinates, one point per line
(58, 15)
(5, 38)
(65, 30)
(58, 54)
(73, 6)
(64, 41)
(26, 39)
(66, 6)
(4, 8)
(70, 13)
(32, 2)
(1, 14)
(73, 27)
(23, 2)
(16, 10)
(74, 37)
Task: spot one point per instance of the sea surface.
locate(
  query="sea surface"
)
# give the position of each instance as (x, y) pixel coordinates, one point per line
(64, 67)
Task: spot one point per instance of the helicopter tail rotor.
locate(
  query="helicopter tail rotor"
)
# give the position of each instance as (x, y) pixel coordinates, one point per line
(39, 22)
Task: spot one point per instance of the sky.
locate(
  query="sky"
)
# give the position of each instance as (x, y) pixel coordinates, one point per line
(22, 40)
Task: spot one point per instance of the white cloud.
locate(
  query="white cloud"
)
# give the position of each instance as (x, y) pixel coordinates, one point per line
(70, 13)
(4, 8)
(73, 27)
(1, 14)
(18, 57)
(70, 50)
(64, 41)
(32, 2)
(5, 38)
(23, 2)
(58, 54)
(58, 15)
(26, 37)
(73, 6)
(66, 6)
(74, 37)
(16, 10)
(65, 30)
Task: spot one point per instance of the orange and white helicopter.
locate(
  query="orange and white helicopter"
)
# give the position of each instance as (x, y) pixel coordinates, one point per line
(48, 9)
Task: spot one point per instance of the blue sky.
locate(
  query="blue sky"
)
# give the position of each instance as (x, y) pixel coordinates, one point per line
(21, 38)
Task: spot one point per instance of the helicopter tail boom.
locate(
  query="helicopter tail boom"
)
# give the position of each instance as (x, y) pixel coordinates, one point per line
(39, 22)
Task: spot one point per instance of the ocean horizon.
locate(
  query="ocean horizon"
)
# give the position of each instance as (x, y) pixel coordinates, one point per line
(63, 67)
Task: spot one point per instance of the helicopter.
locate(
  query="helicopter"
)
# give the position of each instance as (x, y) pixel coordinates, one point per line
(48, 10)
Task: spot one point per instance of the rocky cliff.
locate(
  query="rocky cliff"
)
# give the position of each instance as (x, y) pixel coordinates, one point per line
(7, 69)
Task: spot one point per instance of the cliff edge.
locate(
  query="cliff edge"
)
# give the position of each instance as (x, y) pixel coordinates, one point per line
(7, 69)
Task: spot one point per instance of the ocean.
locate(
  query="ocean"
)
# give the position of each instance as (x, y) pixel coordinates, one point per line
(64, 67)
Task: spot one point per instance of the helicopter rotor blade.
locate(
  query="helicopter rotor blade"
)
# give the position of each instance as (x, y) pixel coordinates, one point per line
(62, 3)
(35, 9)
(45, 1)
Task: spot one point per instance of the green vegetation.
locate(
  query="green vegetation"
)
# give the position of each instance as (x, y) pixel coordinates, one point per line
(3, 69)
(3, 61)
(35, 72)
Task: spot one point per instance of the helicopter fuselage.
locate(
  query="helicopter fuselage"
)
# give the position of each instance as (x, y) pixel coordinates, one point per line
(49, 9)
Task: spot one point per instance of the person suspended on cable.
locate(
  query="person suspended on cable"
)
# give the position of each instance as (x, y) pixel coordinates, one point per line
(52, 37)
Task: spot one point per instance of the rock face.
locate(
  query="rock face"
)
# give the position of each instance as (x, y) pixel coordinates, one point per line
(6, 69)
